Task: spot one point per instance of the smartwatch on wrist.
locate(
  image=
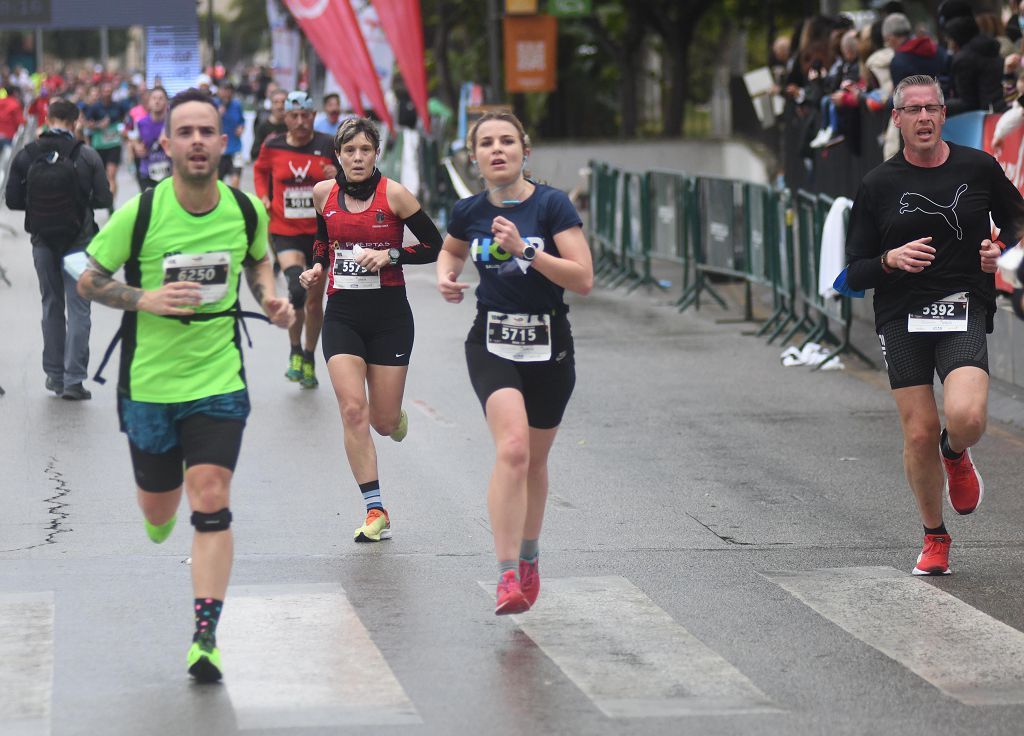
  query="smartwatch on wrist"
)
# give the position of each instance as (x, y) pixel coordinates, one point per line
(529, 252)
(393, 254)
(885, 266)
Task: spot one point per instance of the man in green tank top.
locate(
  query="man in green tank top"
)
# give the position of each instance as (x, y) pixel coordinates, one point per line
(182, 396)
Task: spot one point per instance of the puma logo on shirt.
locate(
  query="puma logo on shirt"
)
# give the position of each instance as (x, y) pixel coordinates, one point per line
(913, 202)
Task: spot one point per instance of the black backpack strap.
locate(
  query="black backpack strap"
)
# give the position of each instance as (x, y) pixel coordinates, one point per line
(252, 221)
(142, 218)
(132, 273)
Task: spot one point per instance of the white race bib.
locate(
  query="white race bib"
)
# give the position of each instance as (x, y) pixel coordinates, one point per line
(350, 275)
(159, 170)
(524, 338)
(110, 135)
(209, 270)
(298, 203)
(949, 314)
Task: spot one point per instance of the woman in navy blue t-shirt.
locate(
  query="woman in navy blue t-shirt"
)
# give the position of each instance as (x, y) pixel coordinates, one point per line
(526, 241)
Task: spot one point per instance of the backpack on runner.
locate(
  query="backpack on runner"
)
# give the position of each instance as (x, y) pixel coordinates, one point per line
(54, 202)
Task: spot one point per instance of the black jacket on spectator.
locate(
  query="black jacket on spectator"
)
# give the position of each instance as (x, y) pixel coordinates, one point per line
(920, 55)
(92, 182)
(977, 73)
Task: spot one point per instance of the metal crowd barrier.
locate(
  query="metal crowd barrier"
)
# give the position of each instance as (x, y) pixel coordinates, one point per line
(720, 229)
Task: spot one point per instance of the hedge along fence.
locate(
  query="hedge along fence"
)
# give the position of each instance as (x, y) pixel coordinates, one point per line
(719, 229)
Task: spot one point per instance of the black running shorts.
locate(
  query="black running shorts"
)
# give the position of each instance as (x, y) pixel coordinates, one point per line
(546, 386)
(913, 358)
(375, 325)
(303, 243)
(110, 155)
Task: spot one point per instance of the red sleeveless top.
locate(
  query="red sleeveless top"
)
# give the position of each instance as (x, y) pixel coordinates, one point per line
(376, 227)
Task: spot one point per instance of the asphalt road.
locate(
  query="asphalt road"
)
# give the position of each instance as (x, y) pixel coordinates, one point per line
(727, 550)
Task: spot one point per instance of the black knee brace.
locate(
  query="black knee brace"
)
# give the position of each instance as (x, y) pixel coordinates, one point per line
(296, 293)
(218, 521)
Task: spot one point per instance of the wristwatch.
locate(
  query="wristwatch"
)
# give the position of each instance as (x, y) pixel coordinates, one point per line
(529, 252)
(393, 254)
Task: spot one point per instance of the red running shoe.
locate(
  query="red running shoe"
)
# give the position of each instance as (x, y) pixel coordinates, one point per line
(934, 558)
(529, 579)
(964, 486)
(510, 596)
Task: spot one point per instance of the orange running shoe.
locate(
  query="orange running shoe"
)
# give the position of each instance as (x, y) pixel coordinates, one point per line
(376, 527)
(510, 596)
(934, 558)
(964, 486)
(529, 579)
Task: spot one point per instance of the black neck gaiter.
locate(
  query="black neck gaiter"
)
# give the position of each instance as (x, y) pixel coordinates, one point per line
(361, 190)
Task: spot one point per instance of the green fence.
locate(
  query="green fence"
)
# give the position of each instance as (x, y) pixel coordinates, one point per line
(718, 230)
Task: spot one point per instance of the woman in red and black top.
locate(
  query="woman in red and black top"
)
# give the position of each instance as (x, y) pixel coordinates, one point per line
(368, 325)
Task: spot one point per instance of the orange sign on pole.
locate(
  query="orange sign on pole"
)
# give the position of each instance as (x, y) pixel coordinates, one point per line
(521, 7)
(531, 44)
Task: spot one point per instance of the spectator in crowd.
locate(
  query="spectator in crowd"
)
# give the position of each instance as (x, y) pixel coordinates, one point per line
(329, 120)
(233, 124)
(913, 55)
(839, 97)
(11, 116)
(1010, 120)
(60, 226)
(991, 26)
(273, 124)
(38, 107)
(977, 68)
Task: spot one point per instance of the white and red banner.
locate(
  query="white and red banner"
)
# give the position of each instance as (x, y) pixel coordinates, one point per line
(285, 43)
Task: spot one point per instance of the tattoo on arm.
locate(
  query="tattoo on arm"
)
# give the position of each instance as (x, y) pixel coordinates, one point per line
(252, 277)
(98, 286)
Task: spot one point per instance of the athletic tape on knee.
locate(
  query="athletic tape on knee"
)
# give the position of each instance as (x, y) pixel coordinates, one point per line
(218, 521)
(296, 293)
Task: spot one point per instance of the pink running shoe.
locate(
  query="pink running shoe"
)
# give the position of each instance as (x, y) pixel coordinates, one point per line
(529, 579)
(510, 596)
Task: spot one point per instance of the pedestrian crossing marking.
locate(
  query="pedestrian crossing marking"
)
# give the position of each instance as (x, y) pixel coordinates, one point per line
(965, 653)
(298, 656)
(26, 663)
(629, 656)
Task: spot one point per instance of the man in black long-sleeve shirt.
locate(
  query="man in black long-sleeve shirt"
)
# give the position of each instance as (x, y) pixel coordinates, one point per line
(65, 340)
(920, 236)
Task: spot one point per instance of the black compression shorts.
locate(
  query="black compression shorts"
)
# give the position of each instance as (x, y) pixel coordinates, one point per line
(913, 358)
(546, 386)
(375, 325)
(204, 440)
(303, 243)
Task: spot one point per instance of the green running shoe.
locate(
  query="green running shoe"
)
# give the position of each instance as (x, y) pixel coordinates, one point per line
(294, 372)
(403, 428)
(159, 533)
(309, 374)
(204, 659)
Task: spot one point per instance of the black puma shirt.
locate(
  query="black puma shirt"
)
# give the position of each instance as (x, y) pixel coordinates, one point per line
(898, 202)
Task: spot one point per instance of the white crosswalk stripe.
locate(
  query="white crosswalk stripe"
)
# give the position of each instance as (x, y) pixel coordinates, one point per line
(962, 651)
(299, 657)
(26, 663)
(629, 657)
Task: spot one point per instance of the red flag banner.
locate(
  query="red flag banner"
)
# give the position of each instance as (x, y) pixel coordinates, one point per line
(323, 29)
(403, 25)
(333, 29)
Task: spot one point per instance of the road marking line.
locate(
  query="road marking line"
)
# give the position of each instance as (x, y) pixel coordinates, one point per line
(26, 663)
(962, 651)
(629, 657)
(297, 656)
